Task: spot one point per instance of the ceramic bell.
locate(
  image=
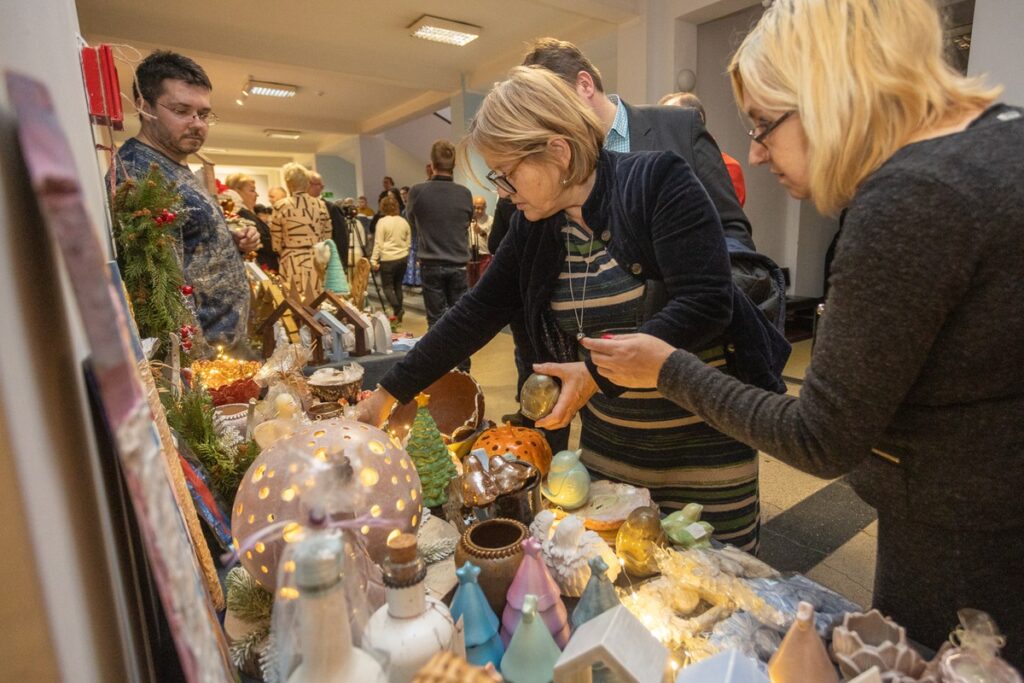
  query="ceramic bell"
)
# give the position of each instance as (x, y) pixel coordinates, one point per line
(538, 396)
(478, 486)
(638, 538)
(532, 653)
(507, 476)
(568, 482)
(479, 623)
(598, 597)
(533, 578)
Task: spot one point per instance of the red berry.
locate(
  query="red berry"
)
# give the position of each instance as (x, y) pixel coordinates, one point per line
(185, 331)
(187, 345)
(186, 290)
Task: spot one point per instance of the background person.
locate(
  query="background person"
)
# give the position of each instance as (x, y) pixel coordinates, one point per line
(915, 389)
(574, 263)
(245, 186)
(390, 250)
(300, 221)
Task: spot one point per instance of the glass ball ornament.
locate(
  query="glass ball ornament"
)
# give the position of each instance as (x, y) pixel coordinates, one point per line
(288, 478)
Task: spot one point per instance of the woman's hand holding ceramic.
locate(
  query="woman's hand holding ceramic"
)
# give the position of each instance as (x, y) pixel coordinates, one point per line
(629, 360)
(577, 388)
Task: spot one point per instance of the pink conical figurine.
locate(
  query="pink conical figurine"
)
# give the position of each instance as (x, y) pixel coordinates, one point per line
(533, 578)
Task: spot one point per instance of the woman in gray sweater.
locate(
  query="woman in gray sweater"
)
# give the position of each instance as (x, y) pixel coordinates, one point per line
(916, 385)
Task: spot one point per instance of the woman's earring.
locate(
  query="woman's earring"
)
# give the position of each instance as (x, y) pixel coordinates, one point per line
(565, 181)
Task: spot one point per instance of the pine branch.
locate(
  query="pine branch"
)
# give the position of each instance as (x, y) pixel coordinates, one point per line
(438, 550)
(246, 599)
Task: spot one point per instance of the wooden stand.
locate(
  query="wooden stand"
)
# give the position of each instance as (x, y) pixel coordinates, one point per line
(350, 314)
(302, 316)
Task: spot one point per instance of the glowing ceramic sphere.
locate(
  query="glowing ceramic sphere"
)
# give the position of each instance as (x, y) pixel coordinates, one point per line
(386, 488)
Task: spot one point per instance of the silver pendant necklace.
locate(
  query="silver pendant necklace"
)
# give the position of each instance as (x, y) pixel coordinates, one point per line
(579, 312)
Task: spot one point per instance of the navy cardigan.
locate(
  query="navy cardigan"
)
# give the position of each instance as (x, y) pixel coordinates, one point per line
(659, 224)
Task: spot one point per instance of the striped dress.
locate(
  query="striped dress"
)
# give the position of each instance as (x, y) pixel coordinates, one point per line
(641, 437)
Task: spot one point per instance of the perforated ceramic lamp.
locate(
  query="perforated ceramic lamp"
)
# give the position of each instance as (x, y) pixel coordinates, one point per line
(479, 623)
(281, 476)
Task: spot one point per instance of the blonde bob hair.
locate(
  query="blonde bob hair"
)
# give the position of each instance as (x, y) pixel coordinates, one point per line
(864, 76)
(236, 181)
(522, 114)
(296, 177)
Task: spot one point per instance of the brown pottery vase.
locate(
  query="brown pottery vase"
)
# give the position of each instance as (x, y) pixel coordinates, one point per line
(494, 545)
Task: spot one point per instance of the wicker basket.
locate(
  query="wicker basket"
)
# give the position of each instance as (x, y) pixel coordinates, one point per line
(445, 667)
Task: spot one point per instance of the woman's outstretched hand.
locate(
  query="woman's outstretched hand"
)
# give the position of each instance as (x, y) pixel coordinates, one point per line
(577, 388)
(375, 408)
(629, 360)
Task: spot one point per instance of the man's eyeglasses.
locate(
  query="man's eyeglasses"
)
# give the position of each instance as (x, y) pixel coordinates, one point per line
(185, 113)
(501, 182)
(762, 130)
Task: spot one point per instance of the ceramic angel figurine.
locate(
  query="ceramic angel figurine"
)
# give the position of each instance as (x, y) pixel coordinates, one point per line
(567, 548)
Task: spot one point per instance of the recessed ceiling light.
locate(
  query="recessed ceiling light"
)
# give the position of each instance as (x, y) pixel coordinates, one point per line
(282, 134)
(444, 30)
(239, 101)
(268, 89)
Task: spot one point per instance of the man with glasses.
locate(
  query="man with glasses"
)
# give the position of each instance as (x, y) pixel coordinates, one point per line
(632, 128)
(172, 96)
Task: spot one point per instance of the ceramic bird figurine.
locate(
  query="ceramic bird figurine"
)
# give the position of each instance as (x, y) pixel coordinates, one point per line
(508, 477)
(568, 482)
(637, 539)
(567, 548)
(478, 486)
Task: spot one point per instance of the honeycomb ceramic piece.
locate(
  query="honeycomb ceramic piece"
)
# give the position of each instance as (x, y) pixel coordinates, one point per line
(274, 485)
(456, 404)
(870, 639)
(522, 442)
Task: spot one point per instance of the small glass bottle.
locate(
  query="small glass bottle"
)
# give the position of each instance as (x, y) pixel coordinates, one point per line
(412, 627)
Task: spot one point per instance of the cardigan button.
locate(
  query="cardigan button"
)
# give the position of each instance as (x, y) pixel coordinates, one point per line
(606, 236)
(636, 268)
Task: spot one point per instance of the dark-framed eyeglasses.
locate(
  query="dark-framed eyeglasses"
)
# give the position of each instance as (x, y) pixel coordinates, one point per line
(501, 182)
(762, 130)
(185, 113)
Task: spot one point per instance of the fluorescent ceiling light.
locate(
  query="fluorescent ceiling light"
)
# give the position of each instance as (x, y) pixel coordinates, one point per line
(444, 30)
(268, 89)
(282, 134)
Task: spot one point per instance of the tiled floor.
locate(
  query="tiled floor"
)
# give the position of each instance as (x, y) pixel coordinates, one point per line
(810, 525)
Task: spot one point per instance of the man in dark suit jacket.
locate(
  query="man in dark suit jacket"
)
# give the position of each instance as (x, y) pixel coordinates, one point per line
(648, 128)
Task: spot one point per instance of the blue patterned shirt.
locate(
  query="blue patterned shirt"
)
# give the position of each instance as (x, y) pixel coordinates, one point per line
(210, 260)
(617, 139)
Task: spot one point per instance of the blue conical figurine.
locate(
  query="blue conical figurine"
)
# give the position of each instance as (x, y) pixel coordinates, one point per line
(598, 596)
(568, 482)
(479, 623)
(532, 652)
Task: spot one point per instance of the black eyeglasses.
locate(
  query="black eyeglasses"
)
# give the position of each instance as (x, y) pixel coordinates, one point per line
(501, 182)
(761, 131)
(186, 114)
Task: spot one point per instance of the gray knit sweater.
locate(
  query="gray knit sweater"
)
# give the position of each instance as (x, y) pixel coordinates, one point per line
(916, 385)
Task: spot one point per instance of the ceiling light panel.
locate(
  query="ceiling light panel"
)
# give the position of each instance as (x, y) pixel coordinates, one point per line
(282, 134)
(444, 30)
(269, 89)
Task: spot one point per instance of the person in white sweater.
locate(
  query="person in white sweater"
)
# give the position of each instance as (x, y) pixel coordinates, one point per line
(390, 249)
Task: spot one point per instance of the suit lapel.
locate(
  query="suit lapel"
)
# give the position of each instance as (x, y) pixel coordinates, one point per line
(639, 129)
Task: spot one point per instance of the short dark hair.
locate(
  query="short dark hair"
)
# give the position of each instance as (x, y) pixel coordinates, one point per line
(405, 188)
(262, 208)
(564, 58)
(162, 65)
(442, 156)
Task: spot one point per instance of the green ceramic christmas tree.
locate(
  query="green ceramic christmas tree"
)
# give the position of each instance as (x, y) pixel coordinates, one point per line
(433, 461)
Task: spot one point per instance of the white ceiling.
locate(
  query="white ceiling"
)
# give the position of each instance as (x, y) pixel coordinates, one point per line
(358, 69)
